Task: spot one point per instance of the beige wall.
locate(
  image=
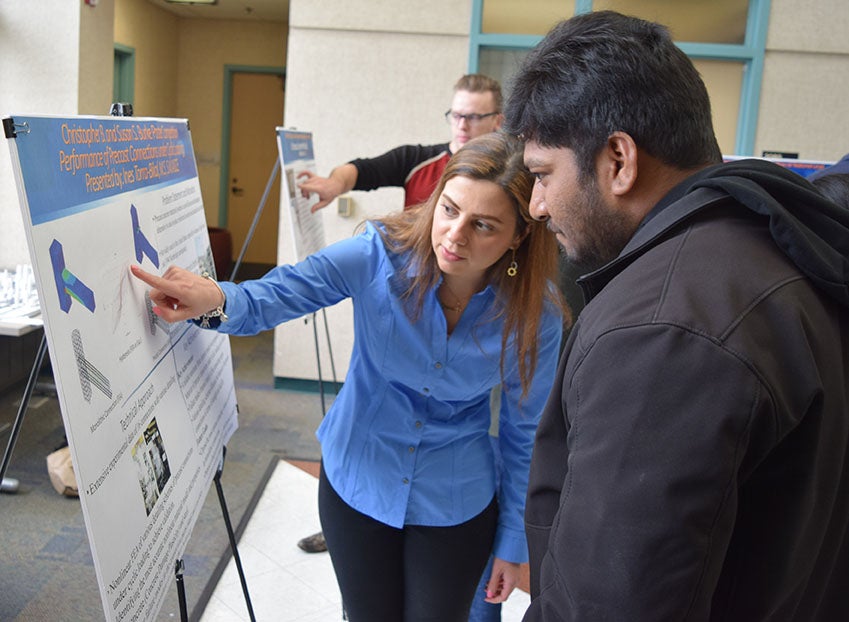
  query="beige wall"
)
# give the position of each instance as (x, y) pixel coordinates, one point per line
(41, 62)
(180, 73)
(153, 33)
(805, 87)
(205, 47)
(96, 55)
(364, 76)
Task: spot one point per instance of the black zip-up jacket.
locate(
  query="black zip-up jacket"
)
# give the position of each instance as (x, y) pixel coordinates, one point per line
(693, 460)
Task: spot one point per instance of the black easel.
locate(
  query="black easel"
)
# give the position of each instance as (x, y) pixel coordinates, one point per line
(275, 169)
(22, 409)
(232, 537)
(9, 485)
(179, 566)
(120, 110)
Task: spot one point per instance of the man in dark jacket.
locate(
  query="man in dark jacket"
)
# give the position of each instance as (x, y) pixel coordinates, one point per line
(693, 460)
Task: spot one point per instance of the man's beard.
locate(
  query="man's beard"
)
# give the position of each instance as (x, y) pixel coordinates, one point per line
(605, 232)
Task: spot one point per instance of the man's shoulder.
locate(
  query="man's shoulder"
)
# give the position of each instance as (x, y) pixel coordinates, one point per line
(424, 152)
(404, 156)
(702, 274)
(393, 167)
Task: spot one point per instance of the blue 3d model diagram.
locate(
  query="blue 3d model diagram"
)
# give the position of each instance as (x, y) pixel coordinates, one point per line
(143, 246)
(68, 286)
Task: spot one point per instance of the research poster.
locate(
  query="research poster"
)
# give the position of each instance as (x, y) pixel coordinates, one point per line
(296, 156)
(147, 406)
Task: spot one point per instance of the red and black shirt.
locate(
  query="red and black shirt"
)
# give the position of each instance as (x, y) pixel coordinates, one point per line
(416, 168)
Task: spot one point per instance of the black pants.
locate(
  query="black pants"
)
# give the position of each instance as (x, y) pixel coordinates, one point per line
(414, 574)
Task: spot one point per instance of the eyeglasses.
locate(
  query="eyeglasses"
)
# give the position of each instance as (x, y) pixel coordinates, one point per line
(471, 119)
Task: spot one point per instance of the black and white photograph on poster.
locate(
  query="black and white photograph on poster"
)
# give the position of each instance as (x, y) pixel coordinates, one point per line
(152, 464)
(147, 408)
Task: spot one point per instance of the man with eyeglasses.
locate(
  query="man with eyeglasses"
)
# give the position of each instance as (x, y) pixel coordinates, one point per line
(475, 110)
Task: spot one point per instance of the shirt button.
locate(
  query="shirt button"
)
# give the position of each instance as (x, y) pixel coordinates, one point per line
(418, 424)
(412, 449)
(405, 481)
(438, 365)
(425, 390)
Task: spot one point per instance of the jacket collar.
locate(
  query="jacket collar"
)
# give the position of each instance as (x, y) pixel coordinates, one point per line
(811, 230)
(655, 226)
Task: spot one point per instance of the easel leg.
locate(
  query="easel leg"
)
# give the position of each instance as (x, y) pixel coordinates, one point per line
(11, 485)
(258, 213)
(181, 590)
(329, 347)
(232, 537)
(318, 363)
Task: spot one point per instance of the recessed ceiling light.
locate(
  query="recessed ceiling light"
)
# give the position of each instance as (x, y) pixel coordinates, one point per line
(192, 1)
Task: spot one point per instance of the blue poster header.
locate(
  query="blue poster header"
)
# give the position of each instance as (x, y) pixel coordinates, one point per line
(71, 164)
(295, 145)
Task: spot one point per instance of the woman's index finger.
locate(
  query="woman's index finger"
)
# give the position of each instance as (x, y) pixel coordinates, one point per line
(147, 277)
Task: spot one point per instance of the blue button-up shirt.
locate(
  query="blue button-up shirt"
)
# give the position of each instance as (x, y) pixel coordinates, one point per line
(406, 440)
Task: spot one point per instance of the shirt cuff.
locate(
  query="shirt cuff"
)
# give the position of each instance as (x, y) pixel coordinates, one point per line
(234, 306)
(510, 545)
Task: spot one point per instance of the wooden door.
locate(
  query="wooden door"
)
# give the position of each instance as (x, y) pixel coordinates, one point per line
(256, 110)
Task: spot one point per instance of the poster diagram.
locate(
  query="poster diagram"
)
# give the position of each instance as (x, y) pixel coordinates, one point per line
(147, 406)
(296, 156)
(89, 374)
(141, 243)
(68, 286)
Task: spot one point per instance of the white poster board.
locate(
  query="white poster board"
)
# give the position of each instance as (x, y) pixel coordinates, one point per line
(147, 406)
(296, 156)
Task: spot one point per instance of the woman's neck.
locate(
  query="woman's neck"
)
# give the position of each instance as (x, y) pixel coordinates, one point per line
(454, 295)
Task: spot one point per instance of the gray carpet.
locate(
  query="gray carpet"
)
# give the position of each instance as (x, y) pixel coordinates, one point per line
(46, 569)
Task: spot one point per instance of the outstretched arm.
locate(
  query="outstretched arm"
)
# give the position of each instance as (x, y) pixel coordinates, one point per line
(180, 295)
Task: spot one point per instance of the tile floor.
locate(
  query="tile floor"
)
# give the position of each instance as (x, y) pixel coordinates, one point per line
(286, 584)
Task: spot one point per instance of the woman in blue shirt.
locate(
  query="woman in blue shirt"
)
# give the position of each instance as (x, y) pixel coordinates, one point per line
(450, 299)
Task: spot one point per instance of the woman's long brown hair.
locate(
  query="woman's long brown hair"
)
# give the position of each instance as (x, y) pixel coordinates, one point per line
(495, 157)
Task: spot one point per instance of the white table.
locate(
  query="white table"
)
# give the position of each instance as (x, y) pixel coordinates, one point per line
(14, 325)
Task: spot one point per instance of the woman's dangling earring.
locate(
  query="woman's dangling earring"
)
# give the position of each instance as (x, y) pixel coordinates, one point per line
(513, 269)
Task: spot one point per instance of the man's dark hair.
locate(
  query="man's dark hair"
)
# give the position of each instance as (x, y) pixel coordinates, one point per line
(602, 72)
